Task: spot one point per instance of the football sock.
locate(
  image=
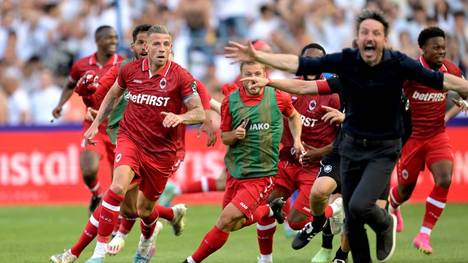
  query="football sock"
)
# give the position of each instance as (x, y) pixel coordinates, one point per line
(213, 241)
(266, 228)
(435, 204)
(110, 208)
(89, 233)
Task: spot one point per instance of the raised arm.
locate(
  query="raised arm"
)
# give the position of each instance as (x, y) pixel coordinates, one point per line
(245, 53)
(457, 84)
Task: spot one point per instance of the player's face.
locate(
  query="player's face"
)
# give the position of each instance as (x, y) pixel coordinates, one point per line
(434, 51)
(371, 41)
(313, 53)
(252, 70)
(108, 41)
(139, 47)
(159, 48)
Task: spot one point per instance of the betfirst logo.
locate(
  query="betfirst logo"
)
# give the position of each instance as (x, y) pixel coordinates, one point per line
(435, 97)
(147, 99)
(39, 168)
(308, 122)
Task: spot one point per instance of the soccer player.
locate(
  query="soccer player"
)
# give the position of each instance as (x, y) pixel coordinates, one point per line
(251, 126)
(318, 137)
(148, 139)
(429, 142)
(99, 62)
(372, 78)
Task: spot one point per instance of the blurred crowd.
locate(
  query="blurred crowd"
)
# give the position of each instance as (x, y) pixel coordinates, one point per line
(40, 39)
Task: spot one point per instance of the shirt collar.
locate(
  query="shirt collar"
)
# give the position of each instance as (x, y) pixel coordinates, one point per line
(145, 66)
(424, 63)
(111, 61)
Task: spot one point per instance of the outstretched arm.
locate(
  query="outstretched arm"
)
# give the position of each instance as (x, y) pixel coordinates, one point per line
(247, 53)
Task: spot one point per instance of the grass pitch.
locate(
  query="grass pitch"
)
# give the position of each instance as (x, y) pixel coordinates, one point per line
(33, 234)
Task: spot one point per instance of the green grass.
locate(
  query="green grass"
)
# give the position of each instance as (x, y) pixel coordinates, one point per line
(33, 234)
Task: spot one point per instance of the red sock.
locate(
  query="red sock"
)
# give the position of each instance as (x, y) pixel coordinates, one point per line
(95, 187)
(266, 228)
(213, 241)
(126, 224)
(435, 204)
(165, 212)
(328, 211)
(299, 225)
(117, 225)
(206, 184)
(147, 224)
(89, 233)
(395, 199)
(110, 208)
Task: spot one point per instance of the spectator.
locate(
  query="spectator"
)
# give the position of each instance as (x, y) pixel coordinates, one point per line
(44, 100)
(17, 100)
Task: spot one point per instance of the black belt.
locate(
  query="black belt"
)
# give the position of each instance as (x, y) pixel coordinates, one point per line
(371, 142)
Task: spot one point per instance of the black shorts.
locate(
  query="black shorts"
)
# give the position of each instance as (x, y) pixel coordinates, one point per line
(330, 167)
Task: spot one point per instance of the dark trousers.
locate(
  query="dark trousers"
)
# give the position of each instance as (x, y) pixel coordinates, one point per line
(366, 167)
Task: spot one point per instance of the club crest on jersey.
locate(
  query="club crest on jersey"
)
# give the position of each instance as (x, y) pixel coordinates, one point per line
(162, 83)
(312, 105)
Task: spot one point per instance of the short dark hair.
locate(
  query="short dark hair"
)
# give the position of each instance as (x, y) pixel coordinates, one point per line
(312, 46)
(374, 15)
(138, 29)
(428, 33)
(100, 30)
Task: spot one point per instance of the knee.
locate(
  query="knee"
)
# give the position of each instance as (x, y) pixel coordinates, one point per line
(128, 212)
(318, 194)
(444, 180)
(357, 209)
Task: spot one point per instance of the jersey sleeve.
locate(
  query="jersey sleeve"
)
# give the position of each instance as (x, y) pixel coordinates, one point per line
(106, 82)
(335, 101)
(74, 75)
(284, 103)
(122, 76)
(226, 118)
(204, 95)
(187, 84)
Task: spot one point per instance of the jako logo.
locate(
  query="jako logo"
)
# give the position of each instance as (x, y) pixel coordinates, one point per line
(147, 99)
(259, 126)
(436, 97)
(38, 168)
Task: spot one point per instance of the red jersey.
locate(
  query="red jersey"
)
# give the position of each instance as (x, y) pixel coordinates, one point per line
(205, 100)
(315, 132)
(149, 95)
(282, 99)
(80, 67)
(427, 104)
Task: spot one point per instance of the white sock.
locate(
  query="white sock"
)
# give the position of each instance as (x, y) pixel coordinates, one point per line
(268, 257)
(99, 250)
(120, 234)
(190, 260)
(425, 230)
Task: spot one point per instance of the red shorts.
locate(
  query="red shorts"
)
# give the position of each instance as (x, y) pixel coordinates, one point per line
(292, 177)
(247, 194)
(418, 153)
(103, 147)
(151, 172)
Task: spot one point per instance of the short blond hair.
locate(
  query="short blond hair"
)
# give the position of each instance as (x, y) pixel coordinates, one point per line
(158, 29)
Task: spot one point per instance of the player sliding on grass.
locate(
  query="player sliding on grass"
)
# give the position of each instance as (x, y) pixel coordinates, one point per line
(251, 125)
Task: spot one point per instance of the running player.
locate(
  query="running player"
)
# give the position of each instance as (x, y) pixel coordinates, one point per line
(429, 143)
(157, 89)
(252, 126)
(293, 175)
(99, 62)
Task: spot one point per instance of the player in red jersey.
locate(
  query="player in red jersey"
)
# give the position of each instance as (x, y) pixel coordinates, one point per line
(317, 136)
(147, 140)
(252, 127)
(429, 142)
(99, 63)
